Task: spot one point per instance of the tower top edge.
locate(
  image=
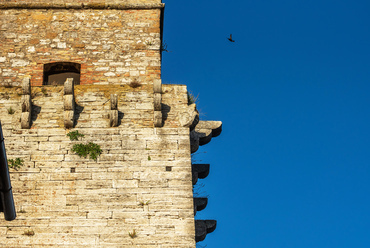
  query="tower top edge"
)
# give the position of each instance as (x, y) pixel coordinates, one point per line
(155, 4)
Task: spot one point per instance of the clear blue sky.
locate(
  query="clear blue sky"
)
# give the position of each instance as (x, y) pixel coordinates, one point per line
(291, 168)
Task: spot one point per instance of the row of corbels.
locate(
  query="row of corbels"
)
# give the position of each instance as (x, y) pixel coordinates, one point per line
(201, 134)
(26, 104)
(202, 227)
(70, 106)
(157, 89)
(199, 171)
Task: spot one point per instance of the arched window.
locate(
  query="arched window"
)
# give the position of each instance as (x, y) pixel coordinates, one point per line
(57, 73)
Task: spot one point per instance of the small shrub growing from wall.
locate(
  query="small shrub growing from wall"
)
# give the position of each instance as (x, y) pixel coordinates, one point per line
(91, 149)
(15, 163)
(82, 150)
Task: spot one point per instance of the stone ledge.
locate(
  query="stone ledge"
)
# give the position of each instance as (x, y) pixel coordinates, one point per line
(102, 5)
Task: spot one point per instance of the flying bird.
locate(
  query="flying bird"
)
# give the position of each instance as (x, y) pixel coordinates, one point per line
(231, 38)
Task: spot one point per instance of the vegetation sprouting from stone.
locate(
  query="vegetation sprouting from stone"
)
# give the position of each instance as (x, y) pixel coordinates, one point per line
(91, 149)
(191, 98)
(164, 47)
(11, 111)
(132, 234)
(144, 203)
(74, 135)
(15, 163)
(82, 150)
(44, 91)
(135, 84)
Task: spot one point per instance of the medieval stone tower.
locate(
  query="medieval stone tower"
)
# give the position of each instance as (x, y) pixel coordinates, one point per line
(99, 150)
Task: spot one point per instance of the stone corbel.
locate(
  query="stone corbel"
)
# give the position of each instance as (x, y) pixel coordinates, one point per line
(190, 117)
(203, 133)
(203, 227)
(199, 171)
(69, 103)
(157, 89)
(113, 114)
(26, 104)
(200, 203)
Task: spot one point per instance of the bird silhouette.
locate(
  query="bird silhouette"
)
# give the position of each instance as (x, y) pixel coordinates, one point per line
(231, 38)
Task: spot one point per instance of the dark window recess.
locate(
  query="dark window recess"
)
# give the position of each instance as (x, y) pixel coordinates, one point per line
(168, 168)
(57, 73)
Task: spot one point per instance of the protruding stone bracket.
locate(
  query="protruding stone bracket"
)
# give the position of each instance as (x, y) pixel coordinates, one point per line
(203, 227)
(203, 133)
(200, 203)
(157, 86)
(26, 104)
(190, 117)
(69, 103)
(157, 90)
(199, 171)
(113, 114)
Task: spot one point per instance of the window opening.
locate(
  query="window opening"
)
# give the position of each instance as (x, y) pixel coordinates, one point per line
(57, 73)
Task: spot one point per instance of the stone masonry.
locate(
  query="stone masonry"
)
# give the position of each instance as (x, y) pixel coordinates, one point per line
(114, 45)
(138, 192)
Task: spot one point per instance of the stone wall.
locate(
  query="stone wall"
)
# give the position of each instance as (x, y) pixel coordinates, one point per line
(113, 46)
(142, 181)
(138, 192)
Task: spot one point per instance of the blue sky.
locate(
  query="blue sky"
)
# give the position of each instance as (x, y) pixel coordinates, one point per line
(292, 165)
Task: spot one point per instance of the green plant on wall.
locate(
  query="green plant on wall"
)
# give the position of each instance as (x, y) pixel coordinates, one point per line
(11, 111)
(74, 135)
(132, 234)
(82, 150)
(144, 203)
(15, 163)
(191, 98)
(91, 149)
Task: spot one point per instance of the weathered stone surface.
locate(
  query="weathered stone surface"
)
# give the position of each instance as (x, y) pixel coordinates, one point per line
(68, 119)
(26, 103)
(113, 118)
(157, 86)
(26, 86)
(25, 120)
(157, 118)
(69, 102)
(157, 101)
(69, 87)
(203, 133)
(215, 126)
(190, 117)
(113, 101)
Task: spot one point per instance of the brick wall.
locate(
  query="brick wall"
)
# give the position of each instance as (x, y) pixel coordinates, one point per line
(113, 46)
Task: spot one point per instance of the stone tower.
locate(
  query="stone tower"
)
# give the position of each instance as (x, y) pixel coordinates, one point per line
(85, 76)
